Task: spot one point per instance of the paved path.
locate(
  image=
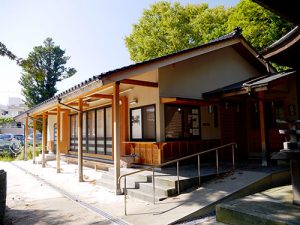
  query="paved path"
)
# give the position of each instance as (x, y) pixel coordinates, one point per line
(30, 200)
(41, 196)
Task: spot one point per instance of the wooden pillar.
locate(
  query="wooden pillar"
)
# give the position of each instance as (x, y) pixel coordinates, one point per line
(44, 139)
(263, 130)
(34, 140)
(80, 153)
(26, 138)
(116, 135)
(58, 143)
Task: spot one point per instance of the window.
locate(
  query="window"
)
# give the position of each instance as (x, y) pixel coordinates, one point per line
(96, 131)
(143, 123)
(182, 122)
(84, 131)
(91, 131)
(108, 131)
(100, 131)
(74, 136)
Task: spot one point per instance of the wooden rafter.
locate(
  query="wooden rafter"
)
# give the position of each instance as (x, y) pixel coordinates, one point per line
(139, 83)
(100, 96)
(76, 104)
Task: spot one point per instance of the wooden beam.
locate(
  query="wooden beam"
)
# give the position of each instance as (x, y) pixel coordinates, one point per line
(139, 83)
(34, 141)
(26, 137)
(100, 96)
(58, 145)
(77, 103)
(80, 152)
(116, 136)
(263, 130)
(61, 110)
(44, 139)
(51, 113)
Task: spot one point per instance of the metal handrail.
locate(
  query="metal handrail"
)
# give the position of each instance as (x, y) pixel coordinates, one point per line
(151, 168)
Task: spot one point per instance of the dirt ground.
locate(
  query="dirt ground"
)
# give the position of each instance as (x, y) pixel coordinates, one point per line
(31, 201)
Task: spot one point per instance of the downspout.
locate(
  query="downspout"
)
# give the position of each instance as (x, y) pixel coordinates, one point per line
(70, 107)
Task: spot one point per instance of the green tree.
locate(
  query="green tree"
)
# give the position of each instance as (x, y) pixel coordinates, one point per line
(165, 28)
(44, 67)
(260, 26)
(5, 52)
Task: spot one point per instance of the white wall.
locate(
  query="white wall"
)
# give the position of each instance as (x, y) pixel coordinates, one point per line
(50, 127)
(146, 96)
(191, 78)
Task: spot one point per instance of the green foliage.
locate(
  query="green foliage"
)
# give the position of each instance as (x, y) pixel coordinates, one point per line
(6, 120)
(6, 156)
(260, 26)
(5, 52)
(44, 67)
(20, 156)
(165, 28)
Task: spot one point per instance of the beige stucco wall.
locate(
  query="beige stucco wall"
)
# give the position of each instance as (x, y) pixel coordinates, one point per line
(146, 96)
(50, 131)
(191, 78)
(204, 73)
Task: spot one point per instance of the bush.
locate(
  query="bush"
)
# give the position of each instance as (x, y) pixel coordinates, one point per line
(6, 156)
(29, 152)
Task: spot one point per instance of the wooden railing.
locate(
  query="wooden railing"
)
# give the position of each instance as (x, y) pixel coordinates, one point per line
(157, 153)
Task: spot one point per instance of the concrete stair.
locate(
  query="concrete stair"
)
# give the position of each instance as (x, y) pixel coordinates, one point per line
(140, 185)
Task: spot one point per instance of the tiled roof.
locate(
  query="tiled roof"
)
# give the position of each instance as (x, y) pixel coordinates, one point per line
(235, 34)
(251, 83)
(286, 38)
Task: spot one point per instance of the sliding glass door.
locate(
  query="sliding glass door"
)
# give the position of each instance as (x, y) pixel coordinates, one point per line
(96, 131)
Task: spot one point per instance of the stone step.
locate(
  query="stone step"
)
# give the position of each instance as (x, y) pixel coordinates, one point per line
(147, 197)
(260, 212)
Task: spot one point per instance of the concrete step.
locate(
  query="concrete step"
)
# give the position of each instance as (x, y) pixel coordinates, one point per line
(257, 212)
(107, 181)
(147, 197)
(159, 190)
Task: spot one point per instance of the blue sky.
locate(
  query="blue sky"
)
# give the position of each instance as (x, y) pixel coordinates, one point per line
(91, 31)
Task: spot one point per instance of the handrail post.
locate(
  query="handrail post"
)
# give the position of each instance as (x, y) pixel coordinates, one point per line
(199, 175)
(125, 192)
(178, 186)
(153, 182)
(217, 162)
(233, 163)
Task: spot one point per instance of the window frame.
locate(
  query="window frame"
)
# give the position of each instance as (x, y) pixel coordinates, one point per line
(86, 130)
(130, 118)
(193, 137)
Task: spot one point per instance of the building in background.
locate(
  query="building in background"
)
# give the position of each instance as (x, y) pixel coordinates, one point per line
(15, 107)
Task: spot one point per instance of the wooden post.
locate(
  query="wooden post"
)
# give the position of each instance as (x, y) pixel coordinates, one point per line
(26, 138)
(44, 140)
(80, 153)
(116, 135)
(34, 140)
(263, 130)
(58, 145)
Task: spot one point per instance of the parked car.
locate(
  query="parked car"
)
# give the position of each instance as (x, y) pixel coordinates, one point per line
(20, 137)
(9, 142)
(38, 139)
